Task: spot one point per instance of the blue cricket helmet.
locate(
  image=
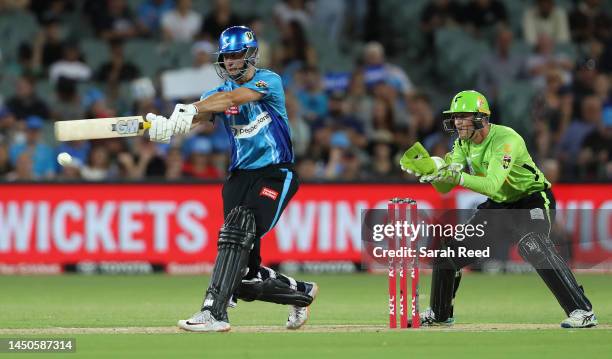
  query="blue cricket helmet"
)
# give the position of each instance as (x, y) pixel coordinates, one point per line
(236, 39)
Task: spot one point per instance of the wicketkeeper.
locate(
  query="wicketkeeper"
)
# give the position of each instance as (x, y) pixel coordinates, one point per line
(497, 165)
(251, 106)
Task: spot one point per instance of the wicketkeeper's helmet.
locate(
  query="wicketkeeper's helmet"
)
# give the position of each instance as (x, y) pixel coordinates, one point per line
(469, 101)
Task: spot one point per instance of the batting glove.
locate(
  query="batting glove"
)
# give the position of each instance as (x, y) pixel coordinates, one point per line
(183, 116)
(161, 129)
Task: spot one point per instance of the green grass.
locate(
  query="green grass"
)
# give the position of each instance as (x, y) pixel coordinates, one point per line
(122, 301)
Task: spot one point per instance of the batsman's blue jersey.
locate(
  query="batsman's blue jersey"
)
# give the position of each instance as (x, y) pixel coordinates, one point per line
(259, 133)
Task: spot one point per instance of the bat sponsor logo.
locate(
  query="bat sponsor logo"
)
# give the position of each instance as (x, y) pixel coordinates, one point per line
(126, 127)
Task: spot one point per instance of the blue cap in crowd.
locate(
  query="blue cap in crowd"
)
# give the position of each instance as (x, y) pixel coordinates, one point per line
(201, 145)
(34, 122)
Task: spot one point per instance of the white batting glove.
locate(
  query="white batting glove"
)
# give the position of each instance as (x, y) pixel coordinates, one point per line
(183, 116)
(161, 129)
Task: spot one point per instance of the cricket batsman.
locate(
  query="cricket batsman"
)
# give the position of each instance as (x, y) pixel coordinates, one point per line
(251, 106)
(498, 166)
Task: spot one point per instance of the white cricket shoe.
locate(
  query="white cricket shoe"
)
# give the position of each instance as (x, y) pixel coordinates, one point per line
(204, 322)
(580, 319)
(299, 315)
(428, 319)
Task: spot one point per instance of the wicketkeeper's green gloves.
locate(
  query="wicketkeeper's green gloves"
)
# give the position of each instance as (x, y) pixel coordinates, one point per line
(416, 161)
(450, 174)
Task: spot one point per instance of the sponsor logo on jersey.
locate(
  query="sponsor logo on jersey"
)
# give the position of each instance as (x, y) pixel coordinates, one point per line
(253, 128)
(268, 192)
(261, 84)
(506, 161)
(234, 110)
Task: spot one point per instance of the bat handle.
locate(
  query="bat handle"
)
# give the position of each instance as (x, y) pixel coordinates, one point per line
(146, 125)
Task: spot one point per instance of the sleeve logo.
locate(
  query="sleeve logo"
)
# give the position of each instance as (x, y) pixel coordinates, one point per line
(506, 161)
(261, 84)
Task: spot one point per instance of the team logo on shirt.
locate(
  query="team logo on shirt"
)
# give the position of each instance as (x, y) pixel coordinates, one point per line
(268, 192)
(261, 84)
(506, 161)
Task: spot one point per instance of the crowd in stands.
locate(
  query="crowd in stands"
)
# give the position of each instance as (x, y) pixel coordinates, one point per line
(355, 99)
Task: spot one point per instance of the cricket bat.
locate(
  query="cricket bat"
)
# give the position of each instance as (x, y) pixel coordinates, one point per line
(96, 128)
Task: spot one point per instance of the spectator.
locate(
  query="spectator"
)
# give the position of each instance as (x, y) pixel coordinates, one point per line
(200, 164)
(41, 155)
(48, 46)
(150, 13)
(573, 139)
(312, 98)
(114, 20)
(98, 166)
(23, 169)
(203, 52)
(294, 52)
(584, 81)
(435, 15)
(596, 147)
(307, 169)
(479, 15)
(359, 103)
(300, 130)
(68, 105)
(589, 21)
(288, 11)
(8, 125)
(220, 18)
(264, 53)
(501, 66)
(552, 111)
(44, 9)
(25, 64)
(70, 171)
(381, 165)
(339, 119)
(423, 122)
(545, 58)
(545, 18)
(25, 102)
(71, 66)
(96, 106)
(117, 70)
(182, 23)
(329, 19)
(382, 116)
(143, 161)
(377, 70)
(5, 163)
(602, 91)
(174, 164)
(552, 170)
(342, 162)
